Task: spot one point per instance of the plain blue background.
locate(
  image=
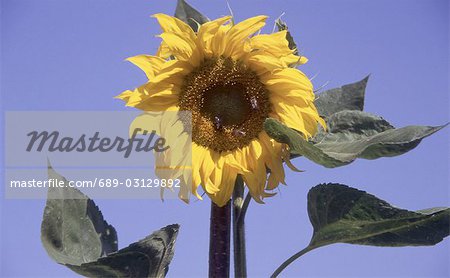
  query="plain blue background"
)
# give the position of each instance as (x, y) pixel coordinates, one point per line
(69, 55)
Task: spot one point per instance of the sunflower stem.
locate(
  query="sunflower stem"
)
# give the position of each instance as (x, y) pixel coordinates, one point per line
(219, 241)
(241, 215)
(239, 209)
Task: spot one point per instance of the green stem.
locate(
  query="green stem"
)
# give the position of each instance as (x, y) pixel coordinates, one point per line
(219, 241)
(247, 200)
(290, 260)
(239, 209)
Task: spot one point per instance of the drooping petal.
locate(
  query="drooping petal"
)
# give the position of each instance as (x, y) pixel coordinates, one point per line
(274, 161)
(226, 188)
(206, 170)
(197, 160)
(251, 181)
(241, 157)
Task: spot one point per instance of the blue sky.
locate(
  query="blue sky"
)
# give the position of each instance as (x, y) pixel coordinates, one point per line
(69, 55)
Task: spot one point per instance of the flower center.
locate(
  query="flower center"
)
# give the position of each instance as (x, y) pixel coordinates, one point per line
(228, 103)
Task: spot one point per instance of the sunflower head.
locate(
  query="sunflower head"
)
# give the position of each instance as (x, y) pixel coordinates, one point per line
(230, 80)
(228, 102)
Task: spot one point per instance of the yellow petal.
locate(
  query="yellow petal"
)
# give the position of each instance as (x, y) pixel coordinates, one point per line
(290, 117)
(234, 38)
(163, 51)
(222, 197)
(275, 43)
(254, 188)
(291, 98)
(150, 65)
(159, 101)
(206, 170)
(240, 156)
(178, 45)
(198, 154)
(183, 194)
(259, 158)
(132, 98)
(124, 95)
(274, 161)
(171, 73)
(217, 174)
(207, 32)
(262, 63)
(303, 119)
(288, 82)
(292, 166)
(217, 43)
(272, 182)
(293, 60)
(146, 121)
(172, 24)
(178, 39)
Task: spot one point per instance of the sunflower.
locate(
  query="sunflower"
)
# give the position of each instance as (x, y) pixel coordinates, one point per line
(231, 80)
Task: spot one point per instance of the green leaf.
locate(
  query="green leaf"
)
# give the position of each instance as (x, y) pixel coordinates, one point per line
(348, 97)
(189, 15)
(298, 145)
(281, 26)
(350, 135)
(343, 214)
(75, 234)
(73, 230)
(149, 257)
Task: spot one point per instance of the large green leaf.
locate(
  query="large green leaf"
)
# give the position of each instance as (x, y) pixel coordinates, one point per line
(73, 230)
(350, 134)
(348, 97)
(75, 234)
(189, 15)
(299, 146)
(343, 214)
(149, 257)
